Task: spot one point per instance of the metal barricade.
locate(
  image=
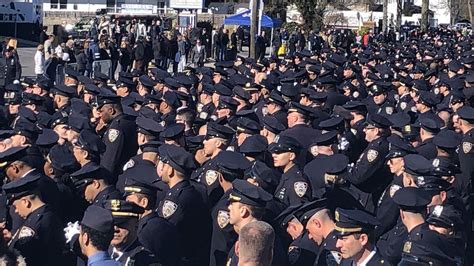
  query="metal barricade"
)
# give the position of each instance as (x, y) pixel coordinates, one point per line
(102, 66)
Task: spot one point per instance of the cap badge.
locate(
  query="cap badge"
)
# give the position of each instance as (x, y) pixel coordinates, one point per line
(300, 188)
(372, 155)
(223, 218)
(436, 162)
(168, 208)
(115, 205)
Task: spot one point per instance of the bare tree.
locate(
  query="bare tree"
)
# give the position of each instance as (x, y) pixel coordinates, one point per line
(385, 17)
(424, 14)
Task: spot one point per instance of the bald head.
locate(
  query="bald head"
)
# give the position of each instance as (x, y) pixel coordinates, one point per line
(256, 244)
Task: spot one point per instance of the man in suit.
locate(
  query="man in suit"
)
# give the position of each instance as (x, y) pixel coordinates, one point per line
(199, 54)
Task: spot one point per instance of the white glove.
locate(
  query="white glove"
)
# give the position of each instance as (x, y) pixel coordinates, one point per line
(71, 230)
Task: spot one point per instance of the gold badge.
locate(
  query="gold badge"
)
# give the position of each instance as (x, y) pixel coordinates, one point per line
(466, 147)
(300, 188)
(168, 208)
(407, 247)
(222, 218)
(372, 155)
(25, 231)
(211, 177)
(113, 134)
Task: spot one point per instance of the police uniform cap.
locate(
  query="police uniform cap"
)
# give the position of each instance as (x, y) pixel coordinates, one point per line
(64, 90)
(454, 65)
(27, 82)
(171, 99)
(62, 159)
(90, 141)
(160, 75)
(406, 81)
(194, 143)
(349, 222)
(427, 98)
(70, 72)
(412, 199)
(254, 144)
(215, 130)
(58, 119)
(333, 123)
(398, 147)
(285, 144)
(337, 164)
(222, 90)
(85, 80)
(123, 210)
(99, 76)
(91, 88)
(178, 158)
(173, 131)
(80, 108)
(43, 82)
(252, 87)
(272, 124)
(87, 174)
(137, 72)
(240, 93)
(419, 85)
(153, 98)
(289, 90)
(26, 128)
(443, 166)
(263, 175)
(247, 125)
(378, 121)
(432, 184)
(12, 154)
(417, 165)
(78, 123)
(30, 98)
(246, 193)
(13, 87)
(276, 98)
(447, 139)
(126, 75)
(225, 64)
(147, 82)
(47, 137)
(125, 83)
(429, 124)
(446, 216)
(469, 77)
(21, 187)
(221, 71)
(226, 102)
(103, 99)
(148, 126)
(399, 120)
(466, 113)
(184, 80)
(302, 212)
(355, 106)
(139, 184)
(325, 139)
(151, 146)
(26, 113)
(299, 108)
(99, 219)
(231, 165)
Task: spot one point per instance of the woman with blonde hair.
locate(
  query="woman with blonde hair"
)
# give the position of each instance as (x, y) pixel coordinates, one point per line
(39, 61)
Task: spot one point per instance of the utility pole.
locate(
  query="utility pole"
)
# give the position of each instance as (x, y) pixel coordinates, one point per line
(253, 28)
(424, 15)
(385, 16)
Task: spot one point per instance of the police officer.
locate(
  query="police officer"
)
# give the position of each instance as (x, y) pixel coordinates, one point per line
(247, 204)
(355, 135)
(183, 205)
(13, 67)
(428, 129)
(354, 240)
(230, 166)
(464, 121)
(120, 137)
(275, 106)
(40, 239)
(62, 99)
(370, 174)
(93, 182)
(423, 245)
(125, 246)
(155, 233)
(379, 103)
(294, 187)
(298, 118)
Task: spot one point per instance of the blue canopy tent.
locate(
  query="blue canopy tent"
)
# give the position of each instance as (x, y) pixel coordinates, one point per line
(244, 18)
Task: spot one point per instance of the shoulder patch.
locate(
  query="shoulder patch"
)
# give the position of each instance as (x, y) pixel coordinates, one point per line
(403, 105)
(300, 188)
(222, 218)
(168, 208)
(393, 189)
(466, 147)
(113, 134)
(389, 110)
(129, 164)
(203, 115)
(26, 231)
(211, 177)
(354, 131)
(372, 155)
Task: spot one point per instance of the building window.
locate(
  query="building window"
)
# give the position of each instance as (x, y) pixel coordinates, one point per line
(58, 4)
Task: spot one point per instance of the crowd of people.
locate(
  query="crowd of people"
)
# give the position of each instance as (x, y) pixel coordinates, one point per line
(337, 153)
